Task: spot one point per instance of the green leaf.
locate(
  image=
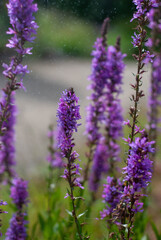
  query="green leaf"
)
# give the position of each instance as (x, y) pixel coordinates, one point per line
(41, 221)
(158, 236)
(81, 214)
(70, 213)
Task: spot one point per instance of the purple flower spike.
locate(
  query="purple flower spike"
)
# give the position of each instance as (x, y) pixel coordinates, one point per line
(154, 44)
(23, 24)
(112, 195)
(139, 167)
(23, 28)
(68, 115)
(19, 195)
(95, 111)
(19, 192)
(7, 152)
(109, 117)
(17, 229)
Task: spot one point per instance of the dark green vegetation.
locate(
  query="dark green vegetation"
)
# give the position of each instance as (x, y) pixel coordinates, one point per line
(62, 33)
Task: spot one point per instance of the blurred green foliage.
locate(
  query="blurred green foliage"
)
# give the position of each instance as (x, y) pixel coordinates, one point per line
(94, 10)
(59, 33)
(63, 33)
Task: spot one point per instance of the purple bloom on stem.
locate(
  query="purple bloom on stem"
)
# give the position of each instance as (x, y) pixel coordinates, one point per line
(23, 27)
(98, 77)
(112, 195)
(23, 30)
(23, 24)
(154, 44)
(68, 115)
(17, 229)
(19, 195)
(139, 168)
(7, 152)
(19, 192)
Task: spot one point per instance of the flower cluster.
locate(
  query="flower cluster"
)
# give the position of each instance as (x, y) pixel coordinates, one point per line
(113, 112)
(19, 194)
(138, 173)
(23, 28)
(154, 43)
(7, 153)
(112, 195)
(139, 38)
(139, 167)
(17, 228)
(68, 115)
(23, 25)
(106, 111)
(98, 77)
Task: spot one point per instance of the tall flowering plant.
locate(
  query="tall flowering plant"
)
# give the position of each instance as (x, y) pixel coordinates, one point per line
(104, 112)
(19, 195)
(68, 115)
(123, 197)
(23, 28)
(154, 44)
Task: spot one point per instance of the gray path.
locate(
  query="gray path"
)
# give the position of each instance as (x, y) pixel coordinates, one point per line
(37, 106)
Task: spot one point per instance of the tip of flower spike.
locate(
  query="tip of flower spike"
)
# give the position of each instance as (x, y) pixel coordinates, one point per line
(104, 30)
(118, 41)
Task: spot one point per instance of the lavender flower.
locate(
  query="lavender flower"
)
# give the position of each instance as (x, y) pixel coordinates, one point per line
(68, 115)
(23, 30)
(7, 153)
(113, 119)
(139, 167)
(97, 78)
(154, 43)
(23, 27)
(2, 203)
(19, 194)
(54, 157)
(112, 195)
(105, 110)
(138, 174)
(17, 229)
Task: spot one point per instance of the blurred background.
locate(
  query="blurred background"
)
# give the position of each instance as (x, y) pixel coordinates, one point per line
(61, 59)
